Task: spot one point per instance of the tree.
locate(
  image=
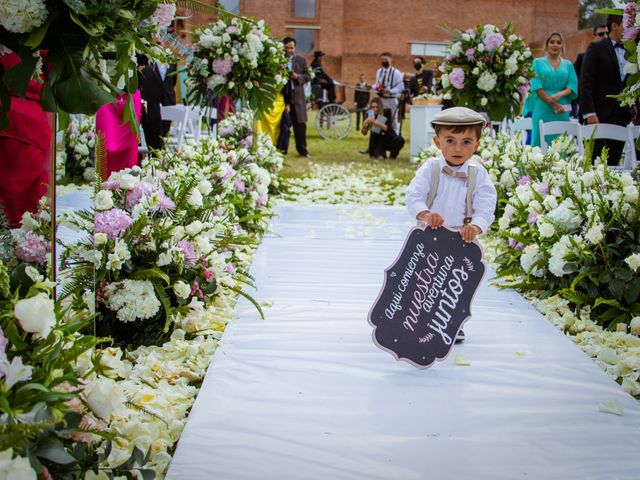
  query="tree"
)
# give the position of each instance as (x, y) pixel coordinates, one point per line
(587, 16)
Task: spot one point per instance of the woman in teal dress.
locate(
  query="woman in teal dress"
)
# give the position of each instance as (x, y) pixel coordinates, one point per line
(554, 86)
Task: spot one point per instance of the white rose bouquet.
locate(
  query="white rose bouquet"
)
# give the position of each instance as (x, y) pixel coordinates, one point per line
(488, 70)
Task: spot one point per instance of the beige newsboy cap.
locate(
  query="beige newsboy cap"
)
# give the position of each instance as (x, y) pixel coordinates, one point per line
(458, 116)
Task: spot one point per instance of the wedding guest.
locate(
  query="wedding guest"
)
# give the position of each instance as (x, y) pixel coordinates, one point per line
(601, 32)
(553, 87)
(423, 79)
(361, 99)
(389, 85)
(382, 137)
(602, 75)
(25, 149)
(120, 142)
(322, 83)
(444, 186)
(295, 101)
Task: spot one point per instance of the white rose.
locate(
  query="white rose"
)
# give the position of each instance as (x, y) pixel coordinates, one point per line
(630, 68)
(33, 274)
(18, 468)
(128, 181)
(100, 238)
(635, 326)
(181, 289)
(480, 47)
(103, 200)
(195, 198)
(550, 202)
(104, 398)
(484, 101)
(546, 230)
(475, 71)
(594, 234)
(36, 314)
(630, 193)
(633, 261)
(205, 187)
(194, 228)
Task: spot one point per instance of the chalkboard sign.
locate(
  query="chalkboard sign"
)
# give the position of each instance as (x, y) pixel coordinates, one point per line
(426, 296)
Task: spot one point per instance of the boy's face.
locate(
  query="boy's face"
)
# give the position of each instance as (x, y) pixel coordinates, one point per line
(457, 148)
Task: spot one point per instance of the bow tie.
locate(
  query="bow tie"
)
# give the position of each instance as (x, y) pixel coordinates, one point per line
(449, 171)
(619, 45)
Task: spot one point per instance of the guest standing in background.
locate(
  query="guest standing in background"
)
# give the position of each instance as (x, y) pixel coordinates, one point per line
(361, 99)
(389, 85)
(601, 32)
(120, 142)
(601, 76)
(553, 87)
(296, 102)
(25, 150)
(423, 79)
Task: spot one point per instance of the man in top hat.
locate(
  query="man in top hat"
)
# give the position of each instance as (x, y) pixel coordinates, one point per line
(451, 190)
(322, 84)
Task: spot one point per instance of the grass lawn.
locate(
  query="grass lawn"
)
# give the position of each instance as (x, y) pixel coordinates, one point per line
(345, 152)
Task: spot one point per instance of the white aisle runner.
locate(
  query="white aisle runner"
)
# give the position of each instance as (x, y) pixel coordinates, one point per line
(305, 394)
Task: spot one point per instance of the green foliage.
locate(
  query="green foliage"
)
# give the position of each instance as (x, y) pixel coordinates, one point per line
(587, 15)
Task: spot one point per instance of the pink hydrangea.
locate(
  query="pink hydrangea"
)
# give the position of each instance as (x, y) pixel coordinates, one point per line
(32, 248)
(470, 53)
(493, 41)
(164, 14)
(221, 66)
(239, 185)
(456, 77)
(113, 222)
(524, 180)
(523, 90)
(630, 31)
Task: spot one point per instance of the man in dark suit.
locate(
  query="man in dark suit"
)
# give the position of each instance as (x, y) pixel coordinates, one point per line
(602, 75)
(157, 87)
(601, 32)
(423, 79)
(295, 100)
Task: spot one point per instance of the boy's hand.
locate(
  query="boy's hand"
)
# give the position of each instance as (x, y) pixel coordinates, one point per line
(469, 232)
(434, 220)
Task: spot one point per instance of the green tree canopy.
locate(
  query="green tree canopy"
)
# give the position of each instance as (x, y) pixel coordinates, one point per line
(588, 18)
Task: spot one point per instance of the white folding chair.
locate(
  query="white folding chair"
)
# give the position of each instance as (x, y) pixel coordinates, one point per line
(194, 124)
(142, 147)
(178, 115)
(572, 129)
(609, 131)
(630, 156)
(522, 125)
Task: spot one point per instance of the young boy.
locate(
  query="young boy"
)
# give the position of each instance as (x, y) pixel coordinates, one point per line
(458, 132)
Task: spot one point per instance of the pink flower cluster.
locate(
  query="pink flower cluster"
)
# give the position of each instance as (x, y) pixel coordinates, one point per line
(164, 14)
(456, 77)
(113, 222)
(493, 41)
(188, 252)
(33, 248)
(470, 53)
(628, 22)
(221, 66)
(523, 89)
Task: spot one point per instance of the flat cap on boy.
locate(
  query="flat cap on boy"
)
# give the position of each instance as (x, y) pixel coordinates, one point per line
(458, 116)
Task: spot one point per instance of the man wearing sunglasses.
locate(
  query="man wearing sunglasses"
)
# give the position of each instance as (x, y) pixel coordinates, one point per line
(599, 33)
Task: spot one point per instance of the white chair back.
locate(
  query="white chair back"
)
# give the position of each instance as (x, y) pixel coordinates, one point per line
(631, 156)
(522, 125)
(178, 115)
(610, 131)
(142, 147)
(572, 129)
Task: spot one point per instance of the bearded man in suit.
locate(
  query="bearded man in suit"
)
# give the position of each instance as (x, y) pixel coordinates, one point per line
(295, 100)
(602, 74)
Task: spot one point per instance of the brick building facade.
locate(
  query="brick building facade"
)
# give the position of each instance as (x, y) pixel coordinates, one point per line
(353, 33)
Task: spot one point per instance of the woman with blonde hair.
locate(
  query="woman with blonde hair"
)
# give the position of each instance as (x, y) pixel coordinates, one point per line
(554, 86)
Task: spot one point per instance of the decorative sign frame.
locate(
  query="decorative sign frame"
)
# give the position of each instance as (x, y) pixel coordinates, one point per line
(426, 296)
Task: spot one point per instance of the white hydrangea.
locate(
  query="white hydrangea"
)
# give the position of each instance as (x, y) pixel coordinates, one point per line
(565, 215)
(132, 300)
(22, 16)
(529, 258)
(487, 81)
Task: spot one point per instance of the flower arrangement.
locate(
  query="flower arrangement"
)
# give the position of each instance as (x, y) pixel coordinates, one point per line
(73, 80)
(488, 70)
(631, 37)
(236, 57)
(79, 150)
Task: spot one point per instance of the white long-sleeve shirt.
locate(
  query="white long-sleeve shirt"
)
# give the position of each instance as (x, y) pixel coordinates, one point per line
(451, 198)
(390, 78)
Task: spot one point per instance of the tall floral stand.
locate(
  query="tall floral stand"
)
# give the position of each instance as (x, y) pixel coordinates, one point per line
(421, 132)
